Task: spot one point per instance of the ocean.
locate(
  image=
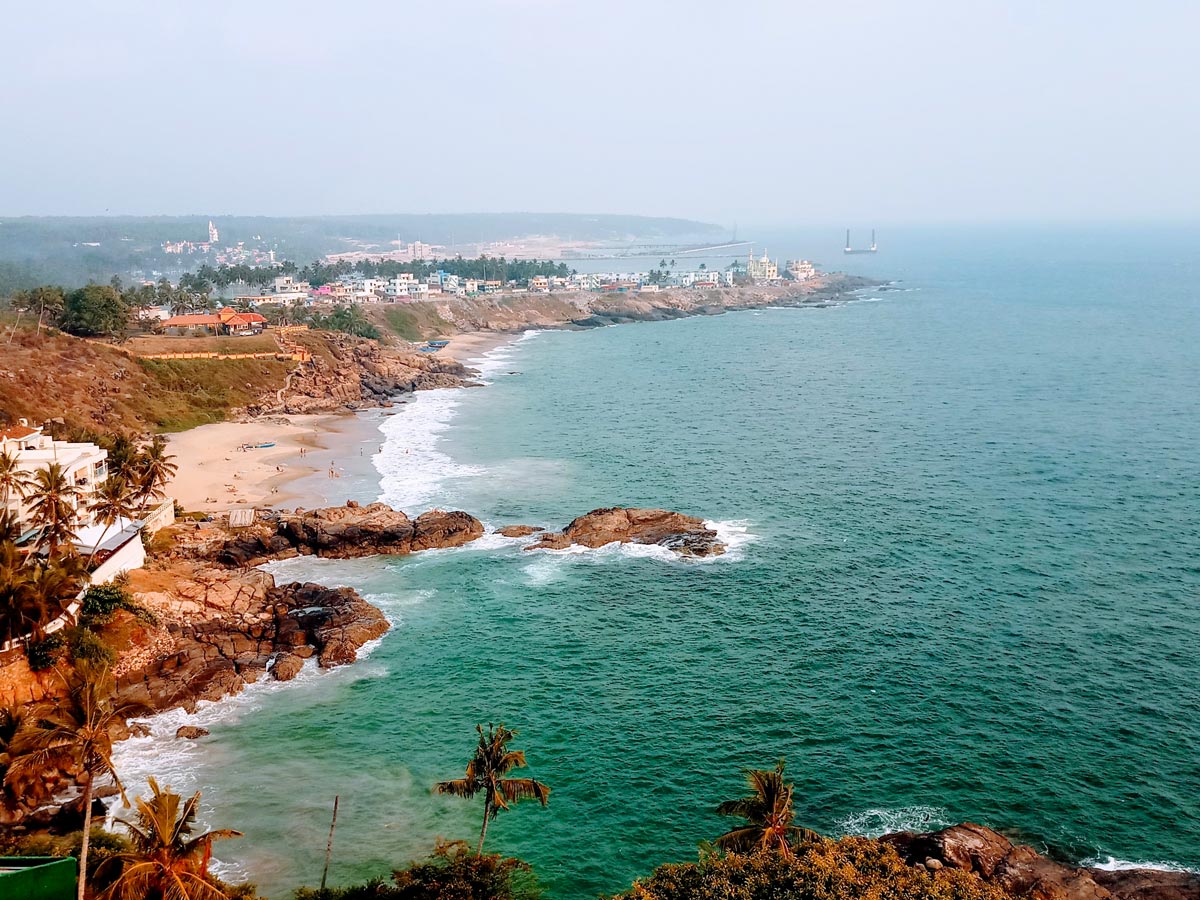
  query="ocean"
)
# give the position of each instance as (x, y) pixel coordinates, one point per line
(963, 581)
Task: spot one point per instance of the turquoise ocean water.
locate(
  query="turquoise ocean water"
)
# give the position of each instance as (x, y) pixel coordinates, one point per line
(964, 581)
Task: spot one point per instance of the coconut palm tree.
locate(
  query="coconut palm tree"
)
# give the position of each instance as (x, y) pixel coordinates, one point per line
(52, 499)
(14, 481)
(166, 861)
(768, 814)
(74, 731)
(113, 501)
(155, 468)
(485, 774)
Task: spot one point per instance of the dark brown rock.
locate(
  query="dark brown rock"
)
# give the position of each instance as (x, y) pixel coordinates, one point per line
(1018, 869)
(1148, 884)
(685, 535)
(518, 531)
(190, 732)
(436, 529)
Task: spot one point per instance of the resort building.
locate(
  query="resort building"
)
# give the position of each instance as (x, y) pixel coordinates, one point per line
(85, 465)
(800, 269)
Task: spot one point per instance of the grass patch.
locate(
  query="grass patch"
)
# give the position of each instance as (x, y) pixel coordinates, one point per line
(191, 392)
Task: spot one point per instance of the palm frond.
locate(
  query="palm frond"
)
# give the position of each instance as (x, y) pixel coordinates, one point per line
(459, 787)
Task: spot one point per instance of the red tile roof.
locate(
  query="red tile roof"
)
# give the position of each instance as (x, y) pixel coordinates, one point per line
(16, 432)
(195, 319)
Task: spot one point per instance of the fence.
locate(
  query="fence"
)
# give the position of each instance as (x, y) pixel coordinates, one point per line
(294, 356)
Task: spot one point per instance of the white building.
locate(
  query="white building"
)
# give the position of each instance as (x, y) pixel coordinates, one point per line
(399, 285)
(801, 269)
(763, 269)
(286, 289)
(85, 465)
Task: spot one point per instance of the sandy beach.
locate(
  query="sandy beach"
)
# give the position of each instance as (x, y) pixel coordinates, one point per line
(473, 344)
(215, 475)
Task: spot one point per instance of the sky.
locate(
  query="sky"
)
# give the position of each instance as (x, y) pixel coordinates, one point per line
(786, 112)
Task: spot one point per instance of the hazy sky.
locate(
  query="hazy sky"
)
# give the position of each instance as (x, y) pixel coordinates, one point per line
(780, 112)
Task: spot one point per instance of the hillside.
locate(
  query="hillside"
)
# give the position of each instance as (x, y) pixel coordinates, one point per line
(102, 387)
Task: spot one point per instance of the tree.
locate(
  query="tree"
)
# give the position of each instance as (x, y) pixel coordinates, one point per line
(74, 730)
(32, 593)
(485, 774)
(768, 813)
(14, 481)
(154, 469)
(93, 310)
(113, 501)
(52, 498)
(166, 862)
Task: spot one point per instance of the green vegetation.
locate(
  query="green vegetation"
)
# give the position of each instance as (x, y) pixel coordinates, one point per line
(824, 870)
(74, 730)
(164, 859)
(485, 775)
(346, 319)
(195, 392)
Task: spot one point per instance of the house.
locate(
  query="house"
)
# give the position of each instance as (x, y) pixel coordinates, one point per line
(399, 285)
(225, 321)
(286, 289)
(539, 284)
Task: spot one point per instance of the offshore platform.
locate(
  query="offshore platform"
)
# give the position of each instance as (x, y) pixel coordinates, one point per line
(850, 249)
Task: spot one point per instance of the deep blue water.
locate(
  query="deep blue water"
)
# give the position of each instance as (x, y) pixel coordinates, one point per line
(965, 583)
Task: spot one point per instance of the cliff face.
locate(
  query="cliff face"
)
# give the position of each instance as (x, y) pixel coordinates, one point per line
(352, 373)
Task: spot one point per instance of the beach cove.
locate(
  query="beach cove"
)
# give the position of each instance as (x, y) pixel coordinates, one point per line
(900, 494)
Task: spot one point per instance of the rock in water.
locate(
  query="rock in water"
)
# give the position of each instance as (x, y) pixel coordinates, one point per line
(685, 535)
(190, 732)
(518, 531)
(286, 667)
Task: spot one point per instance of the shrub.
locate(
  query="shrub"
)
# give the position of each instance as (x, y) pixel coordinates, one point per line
(43, 654)
(86, 645)
(822, 870)
(102, 601)
(453, 872)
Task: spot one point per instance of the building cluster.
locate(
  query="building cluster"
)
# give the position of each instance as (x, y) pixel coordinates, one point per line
(405, 286)
(231, 255)
(417, 251)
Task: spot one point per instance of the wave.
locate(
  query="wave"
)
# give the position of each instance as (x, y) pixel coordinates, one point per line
(1113, 864)
(413, 471)
(875, 822)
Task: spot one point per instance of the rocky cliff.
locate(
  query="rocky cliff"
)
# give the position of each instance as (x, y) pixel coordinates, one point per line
(1022, 872)
(354, 373)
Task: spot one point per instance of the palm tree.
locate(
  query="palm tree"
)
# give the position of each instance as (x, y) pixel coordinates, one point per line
(14, 481)
(166, 861)
(52, 499)
(155, 468)
(113, 501)
(74, 730)
(768, 813)
(485, 772)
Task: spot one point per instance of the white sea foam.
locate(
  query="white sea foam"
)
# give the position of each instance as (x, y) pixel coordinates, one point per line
(1112, 864)
(413, 470)
(878, 821)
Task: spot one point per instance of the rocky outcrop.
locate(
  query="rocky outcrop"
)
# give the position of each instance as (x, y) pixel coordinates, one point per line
(519, 531)
(355, 373)
(346, 531)
(1148, 884)
(191, 732)
(686, 535)
(1023, 872)
(228, 628)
